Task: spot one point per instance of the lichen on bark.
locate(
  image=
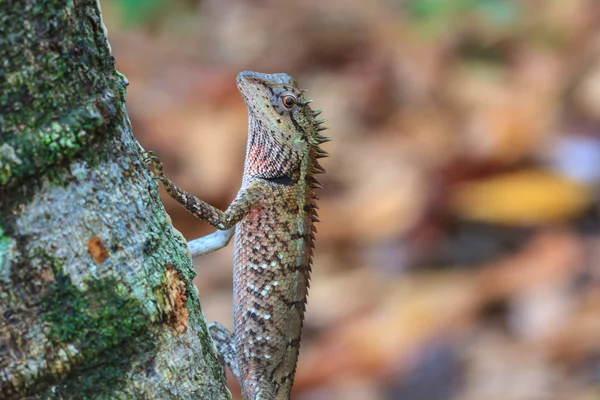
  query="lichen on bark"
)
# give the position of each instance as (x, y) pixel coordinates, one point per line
(58, 87)
(96, 288)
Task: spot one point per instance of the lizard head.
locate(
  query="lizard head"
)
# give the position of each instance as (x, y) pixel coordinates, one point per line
(282, 127)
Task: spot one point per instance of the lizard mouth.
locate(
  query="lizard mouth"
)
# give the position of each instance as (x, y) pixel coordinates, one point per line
(245, 78)
(256, 90)
(242, 79)
(252, 84)
(249, 82)
(246, 83)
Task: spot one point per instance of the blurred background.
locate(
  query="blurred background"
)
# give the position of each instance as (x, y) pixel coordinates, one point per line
(458, 255)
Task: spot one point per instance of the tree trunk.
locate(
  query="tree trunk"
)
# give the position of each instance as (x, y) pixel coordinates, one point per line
(96, 292)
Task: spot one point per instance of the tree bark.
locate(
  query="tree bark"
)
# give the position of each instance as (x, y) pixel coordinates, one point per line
(96, 293)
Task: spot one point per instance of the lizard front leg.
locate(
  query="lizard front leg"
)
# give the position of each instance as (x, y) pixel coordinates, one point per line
(246, 198)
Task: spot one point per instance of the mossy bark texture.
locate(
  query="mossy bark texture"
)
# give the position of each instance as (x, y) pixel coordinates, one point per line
(96, 293)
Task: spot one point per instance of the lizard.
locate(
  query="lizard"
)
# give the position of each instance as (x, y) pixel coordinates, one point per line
(272, 218)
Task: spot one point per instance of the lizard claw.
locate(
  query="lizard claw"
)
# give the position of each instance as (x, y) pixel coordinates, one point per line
(152, 160)
(149, 157)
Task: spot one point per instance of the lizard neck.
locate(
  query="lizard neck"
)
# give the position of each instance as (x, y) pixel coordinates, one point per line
(267, 157)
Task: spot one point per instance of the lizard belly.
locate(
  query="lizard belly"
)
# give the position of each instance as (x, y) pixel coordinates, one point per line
(271, 272)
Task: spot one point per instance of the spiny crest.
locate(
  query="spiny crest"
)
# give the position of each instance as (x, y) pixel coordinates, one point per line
(315, 140)
(316, 152)
(318, 138)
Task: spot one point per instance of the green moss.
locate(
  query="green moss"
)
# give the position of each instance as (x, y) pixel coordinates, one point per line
(59, 90)
(4, 256)
(96, 321)
(88, 318)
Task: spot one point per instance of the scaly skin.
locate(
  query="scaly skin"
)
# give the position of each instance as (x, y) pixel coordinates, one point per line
(275, 214)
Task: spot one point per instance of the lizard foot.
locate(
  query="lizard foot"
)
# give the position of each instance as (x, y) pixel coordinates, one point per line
(225, 345)
(151, 161)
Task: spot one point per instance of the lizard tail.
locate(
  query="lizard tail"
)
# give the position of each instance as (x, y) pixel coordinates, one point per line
(260, 391)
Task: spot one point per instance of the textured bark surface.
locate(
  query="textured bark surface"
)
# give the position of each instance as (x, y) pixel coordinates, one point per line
(96, 292)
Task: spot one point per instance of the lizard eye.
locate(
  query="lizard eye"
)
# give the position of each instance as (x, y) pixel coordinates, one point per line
(288, 101)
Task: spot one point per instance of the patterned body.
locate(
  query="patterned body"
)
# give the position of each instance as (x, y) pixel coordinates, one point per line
(273, 243)
(274, 212)
(272, 269)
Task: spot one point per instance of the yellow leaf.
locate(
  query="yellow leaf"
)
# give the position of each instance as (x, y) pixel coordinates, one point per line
(523, 198)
